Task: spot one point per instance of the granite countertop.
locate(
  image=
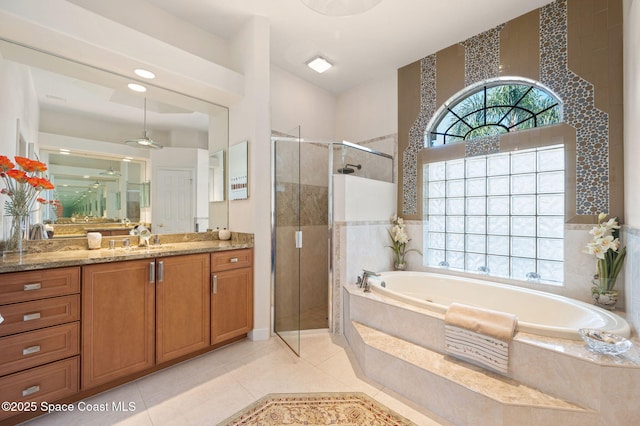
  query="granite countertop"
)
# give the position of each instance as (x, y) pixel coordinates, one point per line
(53, 254)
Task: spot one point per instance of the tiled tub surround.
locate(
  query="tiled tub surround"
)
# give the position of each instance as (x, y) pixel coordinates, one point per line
(631, 285)
(550, 380)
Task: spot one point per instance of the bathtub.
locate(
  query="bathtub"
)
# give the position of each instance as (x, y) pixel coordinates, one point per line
(539, 313)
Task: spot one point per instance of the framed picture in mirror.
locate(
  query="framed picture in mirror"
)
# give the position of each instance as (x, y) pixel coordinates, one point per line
(238, 171)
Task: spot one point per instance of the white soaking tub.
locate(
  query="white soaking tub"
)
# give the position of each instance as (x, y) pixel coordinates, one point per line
(538, 312)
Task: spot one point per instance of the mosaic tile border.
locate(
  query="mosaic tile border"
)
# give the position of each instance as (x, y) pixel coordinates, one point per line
(591, 124)
(482, 146)
(482, 56)
(416, 135)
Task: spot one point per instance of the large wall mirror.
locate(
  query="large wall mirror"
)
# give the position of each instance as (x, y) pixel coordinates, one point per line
(77, 119)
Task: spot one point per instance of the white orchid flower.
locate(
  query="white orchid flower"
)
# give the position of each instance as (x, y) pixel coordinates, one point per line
(611, 224)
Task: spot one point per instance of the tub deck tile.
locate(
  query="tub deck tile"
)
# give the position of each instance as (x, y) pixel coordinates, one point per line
(492, 385)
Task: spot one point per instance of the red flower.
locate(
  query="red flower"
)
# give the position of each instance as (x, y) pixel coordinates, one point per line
(18, 175)
(5, 163)
(23, 183)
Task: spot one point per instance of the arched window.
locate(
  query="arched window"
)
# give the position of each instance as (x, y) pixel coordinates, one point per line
(492, 108)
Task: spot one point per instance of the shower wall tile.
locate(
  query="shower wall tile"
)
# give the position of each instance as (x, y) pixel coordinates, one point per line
(314, 164)
(312, 200)
(314, 205)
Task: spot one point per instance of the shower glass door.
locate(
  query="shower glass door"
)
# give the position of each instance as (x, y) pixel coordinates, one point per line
(286, 238)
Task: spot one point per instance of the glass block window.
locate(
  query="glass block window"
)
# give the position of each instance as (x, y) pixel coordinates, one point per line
(500, 214)
(492, 109)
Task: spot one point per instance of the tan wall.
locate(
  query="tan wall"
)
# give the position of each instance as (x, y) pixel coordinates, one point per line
(594, 52)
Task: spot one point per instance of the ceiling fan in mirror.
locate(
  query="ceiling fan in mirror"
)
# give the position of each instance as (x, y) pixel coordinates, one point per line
(110, 172)
(145, 141)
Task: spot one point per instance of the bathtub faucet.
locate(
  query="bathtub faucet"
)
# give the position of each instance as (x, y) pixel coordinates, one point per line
(364, 281)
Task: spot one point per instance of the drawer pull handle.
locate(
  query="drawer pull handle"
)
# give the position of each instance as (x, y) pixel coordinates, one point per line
(31, 390)
(31, 350)
(31, 317)
(34, 286)
(233, 260)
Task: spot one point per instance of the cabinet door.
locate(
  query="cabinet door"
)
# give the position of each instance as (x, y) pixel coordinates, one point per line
(118, 314)
(182, 305)
(231, 304)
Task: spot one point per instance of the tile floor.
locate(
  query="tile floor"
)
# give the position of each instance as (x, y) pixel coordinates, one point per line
(208, 389)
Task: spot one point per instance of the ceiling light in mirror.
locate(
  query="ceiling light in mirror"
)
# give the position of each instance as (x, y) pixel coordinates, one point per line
(137, 87)
(144, 73)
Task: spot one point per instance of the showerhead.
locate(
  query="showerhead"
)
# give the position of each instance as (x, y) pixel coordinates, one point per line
(346, 170)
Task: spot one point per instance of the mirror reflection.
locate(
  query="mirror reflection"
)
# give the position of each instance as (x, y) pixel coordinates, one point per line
(76, 119)
(238, 171)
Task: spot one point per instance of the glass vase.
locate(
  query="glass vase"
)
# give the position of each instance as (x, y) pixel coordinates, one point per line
(16, 231)
(602, 292)
(399, 263)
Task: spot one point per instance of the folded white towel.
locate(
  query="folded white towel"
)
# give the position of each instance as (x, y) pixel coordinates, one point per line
(500, 325)
(480, 336)
(479, 349)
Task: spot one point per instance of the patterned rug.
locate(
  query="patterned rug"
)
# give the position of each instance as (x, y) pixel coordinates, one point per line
(352, 409)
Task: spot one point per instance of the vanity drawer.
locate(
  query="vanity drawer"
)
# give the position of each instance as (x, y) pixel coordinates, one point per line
(31, 285)
(26, 350)
(231, 259)
(27, 316)
(48, 383)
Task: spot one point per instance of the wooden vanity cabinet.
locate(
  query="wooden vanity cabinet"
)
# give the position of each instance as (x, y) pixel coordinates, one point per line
(118, 320)
(140, 313)
(71, 332)
(182, 306)
(39, 343)
(231, 294)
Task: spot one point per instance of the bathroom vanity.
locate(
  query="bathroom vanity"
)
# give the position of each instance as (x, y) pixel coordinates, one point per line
(78, 322)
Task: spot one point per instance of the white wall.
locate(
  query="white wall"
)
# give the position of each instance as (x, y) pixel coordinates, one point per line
(368, 111)
(295, 102)
(249, 119)
(18, 109)
(359, 199)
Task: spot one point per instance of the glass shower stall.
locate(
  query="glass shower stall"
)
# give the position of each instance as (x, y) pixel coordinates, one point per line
(302, 226)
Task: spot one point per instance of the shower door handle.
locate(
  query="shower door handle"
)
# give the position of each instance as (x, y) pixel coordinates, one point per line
(298, 239)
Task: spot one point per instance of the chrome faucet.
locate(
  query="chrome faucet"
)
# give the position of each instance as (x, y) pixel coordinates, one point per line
(364, 281)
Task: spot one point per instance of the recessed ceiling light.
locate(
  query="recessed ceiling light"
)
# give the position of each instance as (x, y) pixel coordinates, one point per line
(144, 73)
(319, 64)
(137, 87)
(86, 176)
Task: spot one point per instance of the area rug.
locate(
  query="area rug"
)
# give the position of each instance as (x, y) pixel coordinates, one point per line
(311, 409)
